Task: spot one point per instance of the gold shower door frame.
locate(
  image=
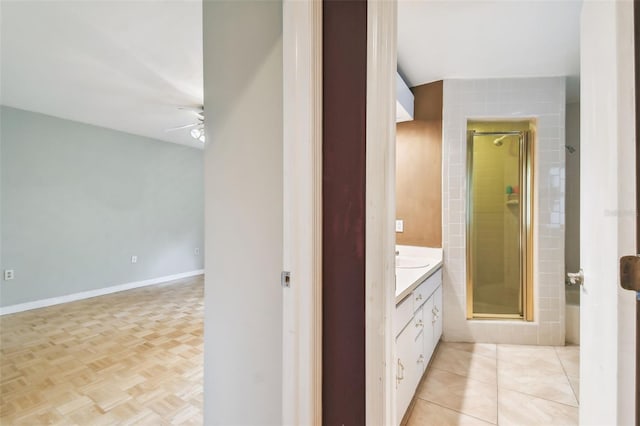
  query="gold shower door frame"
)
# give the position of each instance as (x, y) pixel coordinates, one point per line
(526, 226)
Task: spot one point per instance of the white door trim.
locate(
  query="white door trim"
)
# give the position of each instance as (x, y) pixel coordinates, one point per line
(607, 213)
(302, 248)
(380, 211)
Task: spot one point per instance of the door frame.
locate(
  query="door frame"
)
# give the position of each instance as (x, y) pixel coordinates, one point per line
(636, 36)
(607, 169)
(302, 212)
(526, 231)
(302, 300)
(380, 211)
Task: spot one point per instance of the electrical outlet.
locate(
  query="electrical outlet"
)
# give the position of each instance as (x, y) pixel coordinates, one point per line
(196, 251)
(134, 259)
(399, 225)
(8, 274)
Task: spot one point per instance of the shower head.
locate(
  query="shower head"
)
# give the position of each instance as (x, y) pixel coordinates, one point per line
(498, 141)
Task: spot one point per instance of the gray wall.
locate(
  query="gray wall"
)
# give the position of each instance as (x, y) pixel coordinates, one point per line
(79, 200)
(244, 221)
(572, 230)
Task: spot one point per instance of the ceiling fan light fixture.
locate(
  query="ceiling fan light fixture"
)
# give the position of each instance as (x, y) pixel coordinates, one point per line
(197, 128)
(198, 134)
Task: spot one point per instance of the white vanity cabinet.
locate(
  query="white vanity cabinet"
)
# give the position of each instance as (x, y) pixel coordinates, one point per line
(418, 326)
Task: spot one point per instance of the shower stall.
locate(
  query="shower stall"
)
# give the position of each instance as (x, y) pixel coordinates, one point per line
(499, 221)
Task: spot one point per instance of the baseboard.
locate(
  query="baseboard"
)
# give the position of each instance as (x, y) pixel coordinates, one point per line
(12, 309)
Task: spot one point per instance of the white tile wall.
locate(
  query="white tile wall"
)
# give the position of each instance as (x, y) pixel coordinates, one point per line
(544, 100)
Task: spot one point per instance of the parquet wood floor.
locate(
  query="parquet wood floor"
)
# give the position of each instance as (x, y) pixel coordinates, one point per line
(133, 357)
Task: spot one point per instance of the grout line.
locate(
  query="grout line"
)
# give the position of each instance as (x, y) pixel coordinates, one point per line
(547, 399)
(498, 386)
(564, 370)
(456, 411)
(466, 377)
(431, 367)
(473, 353)
(433, 357)
(543, 399)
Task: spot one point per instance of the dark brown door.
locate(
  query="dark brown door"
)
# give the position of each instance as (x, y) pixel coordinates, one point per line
(344, 76)
(636, 31)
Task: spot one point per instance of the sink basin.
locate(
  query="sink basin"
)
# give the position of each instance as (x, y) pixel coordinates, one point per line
(406, 262)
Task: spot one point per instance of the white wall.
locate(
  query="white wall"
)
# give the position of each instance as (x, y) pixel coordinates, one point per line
(243, 212)
(608, 213)
(544, 100)
(79, 200)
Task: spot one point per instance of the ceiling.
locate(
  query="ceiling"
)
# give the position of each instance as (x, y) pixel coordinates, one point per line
(125, 65)
(128, 65)
(440, 39)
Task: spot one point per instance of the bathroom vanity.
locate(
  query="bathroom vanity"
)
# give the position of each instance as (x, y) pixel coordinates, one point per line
(418, 317)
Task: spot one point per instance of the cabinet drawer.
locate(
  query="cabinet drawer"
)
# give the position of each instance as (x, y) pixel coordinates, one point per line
(403, 314)
(426, 289)
(418, 323)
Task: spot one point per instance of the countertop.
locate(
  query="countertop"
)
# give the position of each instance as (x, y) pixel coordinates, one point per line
(407, 279)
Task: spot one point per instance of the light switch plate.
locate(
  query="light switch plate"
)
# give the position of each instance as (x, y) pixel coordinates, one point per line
(8, 274)
(399, 225)
(134, 259)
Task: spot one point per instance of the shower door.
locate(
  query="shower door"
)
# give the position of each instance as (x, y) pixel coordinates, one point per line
(499, 225)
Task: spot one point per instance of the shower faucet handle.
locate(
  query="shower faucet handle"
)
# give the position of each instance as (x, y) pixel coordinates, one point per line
(576, 277)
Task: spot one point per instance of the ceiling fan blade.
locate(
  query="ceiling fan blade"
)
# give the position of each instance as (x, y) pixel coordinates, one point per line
(197, 109)
(186, 126)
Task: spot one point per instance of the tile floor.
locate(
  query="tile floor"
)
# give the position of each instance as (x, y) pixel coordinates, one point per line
(481, 384)
(133, 357)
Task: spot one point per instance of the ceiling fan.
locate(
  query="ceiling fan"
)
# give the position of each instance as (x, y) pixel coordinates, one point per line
(197, 128)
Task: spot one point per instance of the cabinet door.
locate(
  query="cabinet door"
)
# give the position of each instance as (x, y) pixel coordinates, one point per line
(418, 342)
(437, 312)
(427, 344)
(405, 370)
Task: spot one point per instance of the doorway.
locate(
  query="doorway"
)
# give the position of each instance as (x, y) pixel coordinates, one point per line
(499, 225)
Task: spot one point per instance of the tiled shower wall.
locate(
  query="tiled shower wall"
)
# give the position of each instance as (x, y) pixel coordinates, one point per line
(542, 99)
